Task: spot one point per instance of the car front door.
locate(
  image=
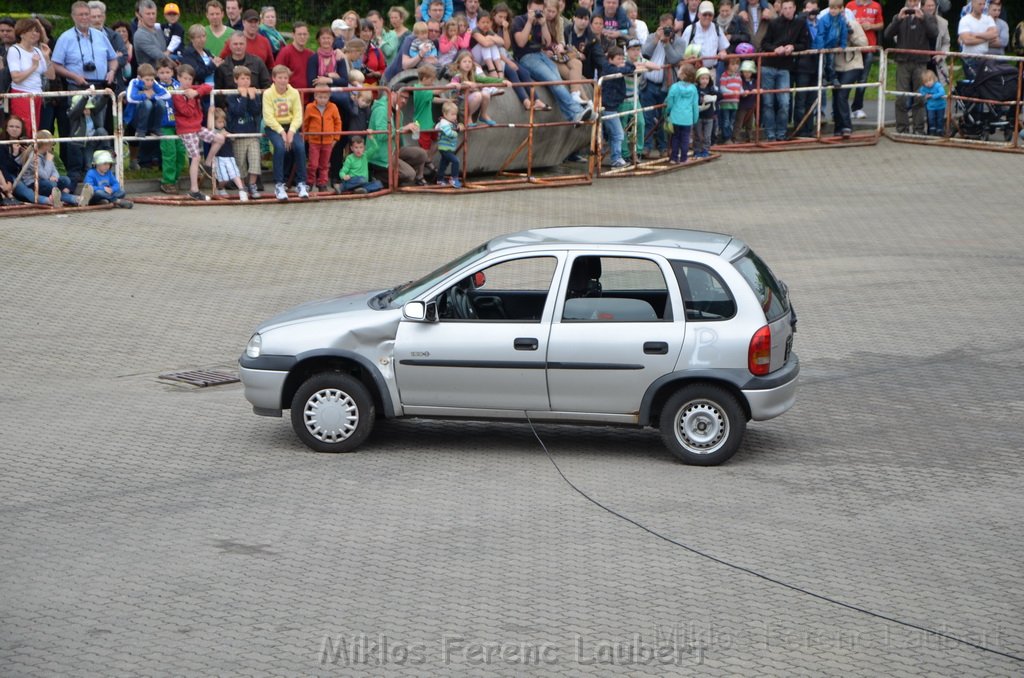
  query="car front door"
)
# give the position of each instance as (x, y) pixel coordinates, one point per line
(486, 352)
(616, 332)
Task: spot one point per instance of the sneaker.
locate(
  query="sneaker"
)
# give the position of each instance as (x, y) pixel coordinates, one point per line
(222, 193)
(359, 189)
(254, 192)
(55, 200)
(279, 192)
(169, 189)
(420, 181)
(243, 196)
(198, 195)
(303, 191)
(621, 162)
(456, 183)
(86, 196)
(442, 182)
(586, 111)
(859, 114)
(846, 133)
(124, 204)
(577, 98)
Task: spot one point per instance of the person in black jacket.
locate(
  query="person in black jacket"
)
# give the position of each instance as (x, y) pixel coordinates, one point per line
(786, 34)
(581, 38)
(911, 29)
(198, 57)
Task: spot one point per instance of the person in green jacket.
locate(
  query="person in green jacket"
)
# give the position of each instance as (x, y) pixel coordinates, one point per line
(411, 158)
(355, 173)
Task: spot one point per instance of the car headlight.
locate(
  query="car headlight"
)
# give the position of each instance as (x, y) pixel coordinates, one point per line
(252, 349)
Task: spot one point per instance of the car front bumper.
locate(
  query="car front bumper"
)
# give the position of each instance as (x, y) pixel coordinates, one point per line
(263, 389)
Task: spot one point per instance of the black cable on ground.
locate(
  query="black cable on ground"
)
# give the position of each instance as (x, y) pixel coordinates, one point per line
(792, 587)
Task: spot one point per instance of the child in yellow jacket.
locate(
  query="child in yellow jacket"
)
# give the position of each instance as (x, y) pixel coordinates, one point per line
(282, 115)
(321, 127)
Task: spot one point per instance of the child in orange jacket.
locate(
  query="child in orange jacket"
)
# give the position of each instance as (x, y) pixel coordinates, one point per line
(321, 128)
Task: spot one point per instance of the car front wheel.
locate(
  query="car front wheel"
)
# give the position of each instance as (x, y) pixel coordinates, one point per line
(702, 424)
(332, 412)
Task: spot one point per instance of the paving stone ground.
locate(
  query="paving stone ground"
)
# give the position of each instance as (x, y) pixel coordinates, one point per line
(150, 529)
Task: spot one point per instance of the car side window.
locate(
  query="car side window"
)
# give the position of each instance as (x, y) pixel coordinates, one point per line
(513, 290)
(705, 294)
(616, 289)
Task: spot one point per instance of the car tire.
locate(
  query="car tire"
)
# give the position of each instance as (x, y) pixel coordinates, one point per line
(332, 412)
(702, 424)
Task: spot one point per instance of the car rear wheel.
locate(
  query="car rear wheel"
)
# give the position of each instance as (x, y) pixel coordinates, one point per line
(702, 424)
(332, 412)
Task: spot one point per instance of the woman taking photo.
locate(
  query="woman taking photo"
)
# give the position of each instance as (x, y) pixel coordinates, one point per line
(28, 62)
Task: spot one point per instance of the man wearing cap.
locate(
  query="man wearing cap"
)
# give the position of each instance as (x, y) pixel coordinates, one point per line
(663, 49)
(255, 44)
(786, 34)
(148, 40)
(217, 33)
(712, 40)
(236, 18)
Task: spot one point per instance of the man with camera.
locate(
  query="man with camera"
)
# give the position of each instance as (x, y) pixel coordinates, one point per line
(85, 58)
(663, 48)
(911, 29)
(530, 37)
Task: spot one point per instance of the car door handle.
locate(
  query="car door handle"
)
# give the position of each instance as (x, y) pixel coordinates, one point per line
(656, 347)
(525, 344)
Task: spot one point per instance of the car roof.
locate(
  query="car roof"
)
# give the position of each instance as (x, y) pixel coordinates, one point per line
(678, 238)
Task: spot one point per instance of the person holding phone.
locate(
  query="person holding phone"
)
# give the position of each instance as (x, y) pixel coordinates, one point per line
(911, 29)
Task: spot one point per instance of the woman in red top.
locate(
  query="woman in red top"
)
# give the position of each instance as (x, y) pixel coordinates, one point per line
(374, 62)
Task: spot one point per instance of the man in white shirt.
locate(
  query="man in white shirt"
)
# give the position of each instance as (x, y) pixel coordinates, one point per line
(974, 33)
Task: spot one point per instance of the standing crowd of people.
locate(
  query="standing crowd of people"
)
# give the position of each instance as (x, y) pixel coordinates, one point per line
(697, 61)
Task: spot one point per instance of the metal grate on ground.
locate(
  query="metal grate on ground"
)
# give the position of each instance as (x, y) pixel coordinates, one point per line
(201, 378)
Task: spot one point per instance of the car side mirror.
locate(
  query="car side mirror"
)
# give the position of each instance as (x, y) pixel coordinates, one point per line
(420, 311)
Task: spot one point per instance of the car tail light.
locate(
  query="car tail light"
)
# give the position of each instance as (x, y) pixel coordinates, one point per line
(759, 357)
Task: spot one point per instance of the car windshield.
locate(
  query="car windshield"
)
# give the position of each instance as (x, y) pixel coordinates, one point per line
(770, 292)
(408, 291)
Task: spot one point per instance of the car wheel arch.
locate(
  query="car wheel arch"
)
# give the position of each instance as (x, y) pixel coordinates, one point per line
(662, 389)
(314, 362)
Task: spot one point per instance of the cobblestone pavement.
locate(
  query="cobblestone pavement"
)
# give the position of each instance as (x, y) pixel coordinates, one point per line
(148, 528)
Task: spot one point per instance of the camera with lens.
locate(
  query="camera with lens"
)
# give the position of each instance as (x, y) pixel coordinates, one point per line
(538, 14)
(89, 66)
(667, 30)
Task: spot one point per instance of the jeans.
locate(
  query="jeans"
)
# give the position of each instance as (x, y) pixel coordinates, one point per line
(448, 159)
(774, 107)
(101, 196)
(680, 143)
(613, 128)
(354, 182)
(148, 116)
(544, 70)
(858, 97)
(936, 121)
(653, 95)
(63, 183)
(24, 193)
(704, 136)
(727, 121)
(516, 76)
(841, 99)
(298, 153)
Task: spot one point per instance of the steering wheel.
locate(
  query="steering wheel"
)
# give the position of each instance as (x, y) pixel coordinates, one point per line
(460, 303)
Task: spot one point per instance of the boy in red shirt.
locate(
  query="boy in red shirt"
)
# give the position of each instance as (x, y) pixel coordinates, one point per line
(321, 128)
(868, 14)
(188, 118)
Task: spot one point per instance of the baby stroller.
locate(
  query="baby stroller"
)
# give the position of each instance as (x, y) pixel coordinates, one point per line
(993, 81)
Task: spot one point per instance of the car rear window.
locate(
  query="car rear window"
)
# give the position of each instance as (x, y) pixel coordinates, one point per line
(770, 292)
(705, 294)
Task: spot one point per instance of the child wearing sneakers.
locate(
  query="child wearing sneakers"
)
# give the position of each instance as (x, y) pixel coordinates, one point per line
(448, 128)
(682, 111)
(731, 86)
(225, 167)
(355, 173)
(39, 166)
(188, 117)
(245, 110)
(934, 103)
(748, 102)
(105, 186)
(708, 104)
(172, 152)
(282, 116)
(321, 126)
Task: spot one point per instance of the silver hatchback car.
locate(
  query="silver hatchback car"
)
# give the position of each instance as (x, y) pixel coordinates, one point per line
(683, 330)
